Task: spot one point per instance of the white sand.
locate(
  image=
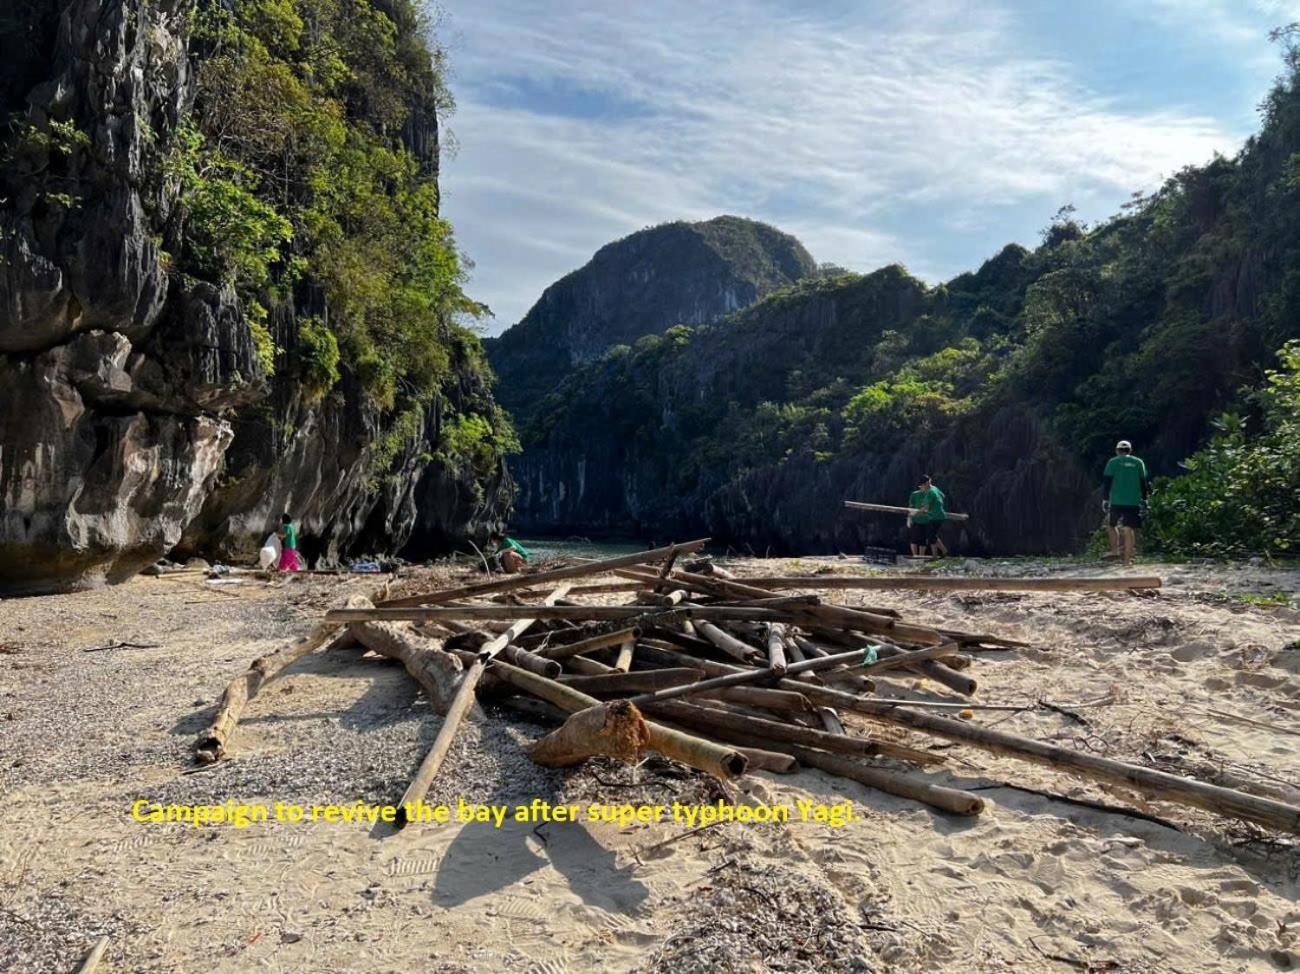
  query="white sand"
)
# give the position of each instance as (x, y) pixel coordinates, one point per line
(1034, 884)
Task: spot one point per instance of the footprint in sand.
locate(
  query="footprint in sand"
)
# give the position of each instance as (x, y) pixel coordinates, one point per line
(1261, 680)
(412, 867)
(1192, 651)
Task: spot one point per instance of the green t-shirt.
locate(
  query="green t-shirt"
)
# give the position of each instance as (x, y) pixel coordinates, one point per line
(291, 536)
(1126, 475)
(510, 544)
(931, 498)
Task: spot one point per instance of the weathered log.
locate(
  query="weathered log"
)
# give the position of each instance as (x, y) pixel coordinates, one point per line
(776, 648)
(956, 583)
(891, 509)
(638, 682)
(899, 783)
(460, 705)
(959, 682)
(752, 676)
(836, 615)
(614, 729)
(531, 661)
(760, 732)
(738, 593)
(212, 743)
(434, 670)
(792, 649)
(602, 641)
(728, 643)
(547, 577)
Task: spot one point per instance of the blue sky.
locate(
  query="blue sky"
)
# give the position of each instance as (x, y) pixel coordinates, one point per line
(929, 134)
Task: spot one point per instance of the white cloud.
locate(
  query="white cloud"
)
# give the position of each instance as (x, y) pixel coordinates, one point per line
(832, 126)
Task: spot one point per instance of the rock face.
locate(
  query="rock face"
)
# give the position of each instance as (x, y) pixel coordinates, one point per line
(135, 413)
(677, 273)
(111, 436)
(654, 467)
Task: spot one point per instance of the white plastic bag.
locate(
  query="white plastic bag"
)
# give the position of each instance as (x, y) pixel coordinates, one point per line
(269, 556)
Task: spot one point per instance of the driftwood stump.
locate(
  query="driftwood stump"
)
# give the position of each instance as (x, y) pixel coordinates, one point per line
(614, 729)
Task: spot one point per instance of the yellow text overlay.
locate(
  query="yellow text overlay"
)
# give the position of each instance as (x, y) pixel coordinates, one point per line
(241, 815)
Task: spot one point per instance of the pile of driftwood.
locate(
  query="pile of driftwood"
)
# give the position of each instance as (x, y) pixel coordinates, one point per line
(721, 673)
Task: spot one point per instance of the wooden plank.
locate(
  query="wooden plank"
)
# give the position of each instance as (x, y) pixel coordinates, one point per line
(891, 509)
(580, 613)
(935, 583)
(547, 577)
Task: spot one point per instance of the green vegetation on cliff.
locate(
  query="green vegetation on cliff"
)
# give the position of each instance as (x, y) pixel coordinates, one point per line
(308, 174)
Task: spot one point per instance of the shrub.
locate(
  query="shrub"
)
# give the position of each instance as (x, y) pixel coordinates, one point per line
(1239, 493)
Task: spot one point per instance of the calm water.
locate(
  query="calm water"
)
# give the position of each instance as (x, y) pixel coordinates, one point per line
(543, 548)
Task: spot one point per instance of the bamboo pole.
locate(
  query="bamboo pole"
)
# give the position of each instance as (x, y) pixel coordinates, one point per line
(93, 958)
(637, 682)
(836, 615)
(937, 583)
(531, 661)
(765, 697)
(1156, 785)
(592, 643)
(899, 783)
(890, 509)
(460, 705)
(761, 732)
(623, 661)
(547, 577)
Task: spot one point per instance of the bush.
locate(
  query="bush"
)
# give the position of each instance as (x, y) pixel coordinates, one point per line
(1239, 493)
(318, 357)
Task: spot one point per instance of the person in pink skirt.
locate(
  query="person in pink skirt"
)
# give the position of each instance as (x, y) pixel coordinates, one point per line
(289, 560)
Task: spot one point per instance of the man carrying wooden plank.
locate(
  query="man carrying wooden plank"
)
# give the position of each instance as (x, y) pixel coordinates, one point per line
(923, 526)
(1126, 488)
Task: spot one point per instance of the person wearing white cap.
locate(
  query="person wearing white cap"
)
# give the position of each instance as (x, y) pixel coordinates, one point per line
(1125, 489)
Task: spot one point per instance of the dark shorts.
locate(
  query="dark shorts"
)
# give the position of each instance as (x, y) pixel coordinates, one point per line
(924, 534)
(1124, 516)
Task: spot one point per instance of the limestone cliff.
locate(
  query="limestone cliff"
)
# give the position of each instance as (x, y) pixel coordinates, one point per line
(676, 273)
(143, 406)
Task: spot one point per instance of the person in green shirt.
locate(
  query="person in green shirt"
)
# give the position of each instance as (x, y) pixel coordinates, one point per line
(510, 556)
(923, 527)
(1125, 489)
(289, 560)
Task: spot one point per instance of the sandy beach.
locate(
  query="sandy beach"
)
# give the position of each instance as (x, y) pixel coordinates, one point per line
(1201, 678)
